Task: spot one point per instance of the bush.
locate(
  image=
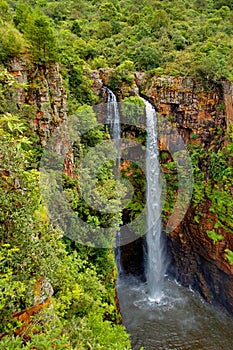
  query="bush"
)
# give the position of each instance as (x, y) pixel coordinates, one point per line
(40, 34)
(12, 42)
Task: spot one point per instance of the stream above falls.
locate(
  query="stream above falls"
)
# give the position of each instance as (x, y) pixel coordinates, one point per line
(182, 320)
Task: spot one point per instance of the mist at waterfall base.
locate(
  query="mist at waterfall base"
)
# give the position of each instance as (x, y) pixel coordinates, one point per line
(181, 321)
(161, 314)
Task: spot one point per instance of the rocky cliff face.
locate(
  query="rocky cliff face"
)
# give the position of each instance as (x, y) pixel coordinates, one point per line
(228, 101)
(201, 117)
(43, 95)
(196, 113)
(197, 262)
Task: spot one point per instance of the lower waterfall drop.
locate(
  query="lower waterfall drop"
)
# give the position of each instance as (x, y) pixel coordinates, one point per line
(155, 266)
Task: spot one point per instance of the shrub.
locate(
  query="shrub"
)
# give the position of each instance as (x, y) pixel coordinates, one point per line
(11, 42)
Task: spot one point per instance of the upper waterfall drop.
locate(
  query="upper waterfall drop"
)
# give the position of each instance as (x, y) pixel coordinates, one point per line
(113, 120)
(155, 266)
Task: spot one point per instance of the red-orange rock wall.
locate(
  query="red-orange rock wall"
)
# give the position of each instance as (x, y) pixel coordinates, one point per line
(196, 260)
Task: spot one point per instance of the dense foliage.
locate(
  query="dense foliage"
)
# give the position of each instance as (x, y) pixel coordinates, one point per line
(213, 181)
(213, 171)
(81, 312)
(183, 37)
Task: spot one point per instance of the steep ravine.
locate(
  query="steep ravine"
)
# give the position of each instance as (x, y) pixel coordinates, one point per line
(202, 116)
(199, 115)
(196, 260)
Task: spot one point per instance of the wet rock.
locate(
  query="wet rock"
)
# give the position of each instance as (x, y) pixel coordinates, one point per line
(132, 258)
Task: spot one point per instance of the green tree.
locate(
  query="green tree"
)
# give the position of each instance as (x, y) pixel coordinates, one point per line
(23, 10)
(160, 19)
(39, 32)
(219, 3)
(107, 11)
(4, 10)
(146, 57)
(12, 42)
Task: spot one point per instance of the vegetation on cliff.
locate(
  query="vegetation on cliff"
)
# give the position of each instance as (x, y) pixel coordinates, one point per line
(54, 294)
(213, 182)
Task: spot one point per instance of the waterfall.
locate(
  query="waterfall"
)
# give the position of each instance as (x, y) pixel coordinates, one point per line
(155, 267)
(113, 122)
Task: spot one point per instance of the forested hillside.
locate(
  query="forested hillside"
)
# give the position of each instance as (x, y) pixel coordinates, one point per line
(55, 293)
(191, 38)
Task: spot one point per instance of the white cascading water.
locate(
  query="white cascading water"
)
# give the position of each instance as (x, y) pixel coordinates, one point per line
(155, 267)
(113, 121)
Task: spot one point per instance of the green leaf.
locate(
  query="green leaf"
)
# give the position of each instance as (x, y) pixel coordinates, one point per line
(10, 126)
(229, 256)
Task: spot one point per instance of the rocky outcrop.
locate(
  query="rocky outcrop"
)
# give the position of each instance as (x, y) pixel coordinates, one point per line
(42, 89)
(196, 113)
(42, 98)
(197, 262)
(228, 102)
(97, 84)
(42, 301)
(120, 86)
